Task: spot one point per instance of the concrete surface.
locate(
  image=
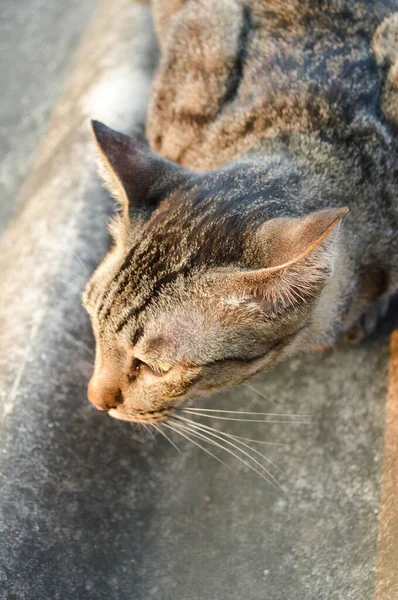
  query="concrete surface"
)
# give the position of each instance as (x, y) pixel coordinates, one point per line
(38, 39)
(94, 508)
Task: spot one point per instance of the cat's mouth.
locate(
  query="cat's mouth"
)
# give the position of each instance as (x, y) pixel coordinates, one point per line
(153, 416)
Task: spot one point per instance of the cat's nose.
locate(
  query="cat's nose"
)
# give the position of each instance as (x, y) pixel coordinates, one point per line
(103, 398)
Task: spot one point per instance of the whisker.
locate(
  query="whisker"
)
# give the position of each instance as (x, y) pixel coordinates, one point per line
(200, 414)
(176, 430)
(253, 389)
(148, 429)
(231, 436)
(247, 464)
(227, 441)
(139, 433)
(157, 427)
(239, 437)
(244, 412)
(253, 468)
(202, 435)
(73, 285)
(80, 261)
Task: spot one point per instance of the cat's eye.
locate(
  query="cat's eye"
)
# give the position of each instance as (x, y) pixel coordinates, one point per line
(135, 368)
(138, 366)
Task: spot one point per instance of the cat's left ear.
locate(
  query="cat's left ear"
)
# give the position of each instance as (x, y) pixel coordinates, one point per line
(136, 176)
(298, 256)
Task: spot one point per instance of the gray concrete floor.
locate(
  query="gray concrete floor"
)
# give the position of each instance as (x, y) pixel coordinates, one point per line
(38, 39)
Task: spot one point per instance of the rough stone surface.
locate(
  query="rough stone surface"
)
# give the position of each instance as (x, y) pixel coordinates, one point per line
(38, 39)
(95, 508)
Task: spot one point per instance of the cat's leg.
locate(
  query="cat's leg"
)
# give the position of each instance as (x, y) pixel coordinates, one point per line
(195, 75)
(385, 47)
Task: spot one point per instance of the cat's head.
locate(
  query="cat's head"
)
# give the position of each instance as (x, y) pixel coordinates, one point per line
(206, 284)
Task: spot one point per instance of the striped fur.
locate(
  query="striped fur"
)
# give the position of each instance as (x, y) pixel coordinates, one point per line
(281, 114)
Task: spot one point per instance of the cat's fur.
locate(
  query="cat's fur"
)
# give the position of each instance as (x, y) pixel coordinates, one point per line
(280, 115)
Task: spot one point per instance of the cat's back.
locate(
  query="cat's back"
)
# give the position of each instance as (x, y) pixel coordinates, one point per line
(234, 72)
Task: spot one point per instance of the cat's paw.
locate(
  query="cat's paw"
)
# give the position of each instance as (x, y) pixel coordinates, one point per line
(368, 322)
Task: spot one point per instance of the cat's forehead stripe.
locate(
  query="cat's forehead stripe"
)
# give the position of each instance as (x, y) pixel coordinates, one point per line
(190, 230)
(118, 284)
(153, 293)
(140, 278)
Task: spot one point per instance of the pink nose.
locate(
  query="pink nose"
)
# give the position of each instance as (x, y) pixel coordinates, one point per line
(103, 398)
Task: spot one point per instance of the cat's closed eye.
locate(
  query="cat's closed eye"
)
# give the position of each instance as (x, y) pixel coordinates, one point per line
(135, 369)
(141, 368)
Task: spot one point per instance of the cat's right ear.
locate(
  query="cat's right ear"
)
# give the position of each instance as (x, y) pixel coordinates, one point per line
(136, 176)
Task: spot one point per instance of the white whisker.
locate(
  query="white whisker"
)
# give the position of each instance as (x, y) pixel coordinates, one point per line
(231, 436)
(73, 285)
(227, 441)
(239, 437)
(196, 444)
(80, 261)
(244, 412)
(253, 389)
(201, 414)
(158, 428)
(148, 429)
(257, 471)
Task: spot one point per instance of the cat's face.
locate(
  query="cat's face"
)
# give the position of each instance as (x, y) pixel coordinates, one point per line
(205, 285)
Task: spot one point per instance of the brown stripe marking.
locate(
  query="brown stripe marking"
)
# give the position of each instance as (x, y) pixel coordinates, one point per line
(387, 545)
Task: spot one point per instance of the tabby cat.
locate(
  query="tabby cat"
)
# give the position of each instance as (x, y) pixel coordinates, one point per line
(262, 220)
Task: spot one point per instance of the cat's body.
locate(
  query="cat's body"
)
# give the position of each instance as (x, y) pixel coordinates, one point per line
(294, 83)
(281, 110)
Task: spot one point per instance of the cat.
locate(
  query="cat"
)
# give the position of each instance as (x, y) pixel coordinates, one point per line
(261, 220)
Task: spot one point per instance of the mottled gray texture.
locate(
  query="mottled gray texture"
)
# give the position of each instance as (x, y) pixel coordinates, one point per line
(95, 509)
(38, 39)
(106, 513)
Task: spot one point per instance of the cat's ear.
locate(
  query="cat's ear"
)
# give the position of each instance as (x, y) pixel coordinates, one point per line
(136, 176)
(299, 257)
